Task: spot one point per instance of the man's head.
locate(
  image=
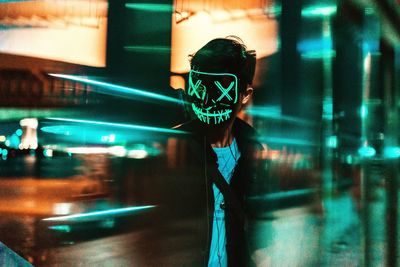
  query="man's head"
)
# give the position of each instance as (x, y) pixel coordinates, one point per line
(220, 78)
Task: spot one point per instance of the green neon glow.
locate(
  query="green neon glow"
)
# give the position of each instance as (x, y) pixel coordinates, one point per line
(150, 7)
(366, 151)
(218, 116)
(92, 215)
(207, 115)
(319, 11)
(224, 91)
(126, 126)
(148, 49)
(118, 89)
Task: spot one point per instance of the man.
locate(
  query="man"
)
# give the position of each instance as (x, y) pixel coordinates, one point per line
(219, 86)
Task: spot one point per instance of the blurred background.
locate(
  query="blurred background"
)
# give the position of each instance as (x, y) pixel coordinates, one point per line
(89, 91)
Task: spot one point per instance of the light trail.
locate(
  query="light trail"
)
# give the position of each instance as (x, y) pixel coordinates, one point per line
(88, 215)
(274, 113)
(168, 8)
(114, 89)
(121, 125)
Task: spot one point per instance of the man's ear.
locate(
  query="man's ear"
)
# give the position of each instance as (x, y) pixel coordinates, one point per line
(247, 95)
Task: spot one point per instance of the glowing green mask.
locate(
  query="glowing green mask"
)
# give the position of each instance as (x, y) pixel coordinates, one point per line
(213, 95)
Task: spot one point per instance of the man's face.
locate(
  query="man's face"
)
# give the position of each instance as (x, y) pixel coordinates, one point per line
(213, 95)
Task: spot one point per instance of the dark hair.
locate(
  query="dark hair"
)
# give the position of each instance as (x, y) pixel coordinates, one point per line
(226, 55)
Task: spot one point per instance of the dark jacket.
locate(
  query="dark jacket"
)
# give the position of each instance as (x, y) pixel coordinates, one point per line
(234, 194)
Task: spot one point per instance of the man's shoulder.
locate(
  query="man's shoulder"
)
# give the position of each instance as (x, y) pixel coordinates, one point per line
(247, 133)
(243, 127)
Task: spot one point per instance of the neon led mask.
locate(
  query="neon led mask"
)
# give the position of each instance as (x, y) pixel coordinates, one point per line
(213, 95)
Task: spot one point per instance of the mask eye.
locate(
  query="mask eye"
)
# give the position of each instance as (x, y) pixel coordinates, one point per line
(224, 91)
(194, 88)
(198, 89)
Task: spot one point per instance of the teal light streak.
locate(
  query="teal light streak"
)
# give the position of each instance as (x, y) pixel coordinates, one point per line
(319, 11)
(150, 7)
(113, 88)
(275, 114)
(285, 194)
(148, 49)
(126, 126)
(287, 141)
(9, 114)
(366, 151)
(110, 212)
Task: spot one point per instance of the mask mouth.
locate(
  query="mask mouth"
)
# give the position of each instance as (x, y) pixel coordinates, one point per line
(210, 115)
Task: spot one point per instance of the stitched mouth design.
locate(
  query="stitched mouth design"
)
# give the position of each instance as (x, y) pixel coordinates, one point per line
(215, 116)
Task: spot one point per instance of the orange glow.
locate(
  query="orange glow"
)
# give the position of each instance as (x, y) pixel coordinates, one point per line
(177, 82)
(41, 196)
(258, 33)
(72, 31)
